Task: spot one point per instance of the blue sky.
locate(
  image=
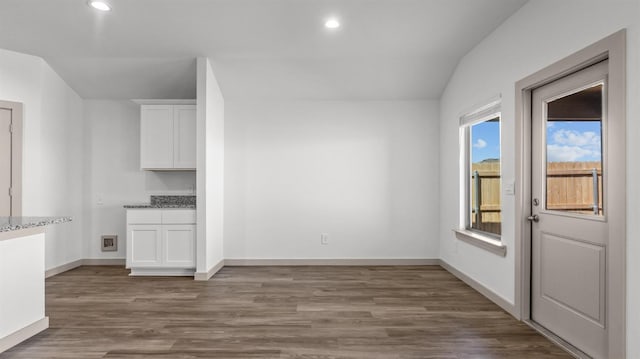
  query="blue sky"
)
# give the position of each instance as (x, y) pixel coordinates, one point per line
(567, 141)
(485, 139)
(574, 141)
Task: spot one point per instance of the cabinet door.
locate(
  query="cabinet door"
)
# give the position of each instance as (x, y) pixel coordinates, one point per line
(156, 136)
(184, 136)
(179, 242)
(144, 245)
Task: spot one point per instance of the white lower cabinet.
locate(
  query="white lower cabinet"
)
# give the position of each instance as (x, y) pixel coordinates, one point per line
(178, 242)
(161, 242)
(145, 249)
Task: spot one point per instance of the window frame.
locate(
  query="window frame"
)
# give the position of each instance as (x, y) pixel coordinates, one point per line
(485, 240)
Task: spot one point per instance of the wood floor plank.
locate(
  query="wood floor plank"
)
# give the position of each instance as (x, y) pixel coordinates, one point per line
(278, 312)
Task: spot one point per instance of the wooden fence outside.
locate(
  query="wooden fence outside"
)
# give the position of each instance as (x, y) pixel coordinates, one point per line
(569, 188)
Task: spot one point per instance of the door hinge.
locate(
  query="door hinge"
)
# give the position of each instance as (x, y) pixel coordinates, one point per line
(10, 191)
(11, 127)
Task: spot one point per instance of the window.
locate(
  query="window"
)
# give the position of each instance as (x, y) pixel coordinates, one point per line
(483, 174)
(481, 177)
(574, 126)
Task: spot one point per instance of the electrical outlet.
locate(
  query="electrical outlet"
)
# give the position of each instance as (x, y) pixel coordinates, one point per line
(324, 239)
(99, 199)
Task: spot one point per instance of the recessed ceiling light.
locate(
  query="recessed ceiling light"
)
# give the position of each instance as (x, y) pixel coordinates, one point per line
(99, 5)
(332, 24)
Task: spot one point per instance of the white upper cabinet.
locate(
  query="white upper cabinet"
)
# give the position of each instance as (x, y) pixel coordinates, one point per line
(184, 136)
(167, 136)
(156, 136)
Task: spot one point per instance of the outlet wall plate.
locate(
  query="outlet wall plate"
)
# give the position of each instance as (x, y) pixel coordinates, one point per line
(109, 243)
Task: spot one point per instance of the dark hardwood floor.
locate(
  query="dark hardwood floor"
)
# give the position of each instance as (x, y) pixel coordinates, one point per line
(278, 312)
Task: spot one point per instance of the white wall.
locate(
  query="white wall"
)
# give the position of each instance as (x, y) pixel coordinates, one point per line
(363, 172)
(52, 145)
(210, 165)
(113, 175)
(542, 32)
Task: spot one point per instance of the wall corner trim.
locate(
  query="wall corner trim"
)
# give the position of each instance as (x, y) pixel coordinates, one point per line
(103, 262)
(62, 268)
(23, 334)
(84, 262)
(332, 262)
(208, 274)
(482, 289)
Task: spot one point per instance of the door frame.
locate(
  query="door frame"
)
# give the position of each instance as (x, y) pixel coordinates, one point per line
(16, 155)
(612, 48)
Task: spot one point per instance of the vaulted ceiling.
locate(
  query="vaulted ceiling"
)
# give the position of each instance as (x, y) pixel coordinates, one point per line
(259, 49)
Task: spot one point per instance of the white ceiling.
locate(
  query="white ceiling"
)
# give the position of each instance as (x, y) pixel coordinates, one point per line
(259, 49)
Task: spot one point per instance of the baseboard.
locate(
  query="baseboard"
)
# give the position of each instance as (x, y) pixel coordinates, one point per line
(62, 268)
(208, 274)
(491, 295)
(161, 272)
(103, 262)
(332, 262)
(84, 262)
(23, 334)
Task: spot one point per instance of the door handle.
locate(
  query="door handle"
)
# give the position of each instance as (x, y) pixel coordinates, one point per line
(533, 218)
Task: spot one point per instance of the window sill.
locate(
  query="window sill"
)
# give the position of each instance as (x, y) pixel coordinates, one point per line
(482, 241)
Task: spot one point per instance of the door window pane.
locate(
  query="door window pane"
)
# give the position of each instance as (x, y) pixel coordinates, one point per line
(574, 152)
(485, 176)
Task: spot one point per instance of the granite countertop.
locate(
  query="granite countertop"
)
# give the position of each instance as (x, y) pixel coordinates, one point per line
(8, 224)
(149, 205)
(166, 202)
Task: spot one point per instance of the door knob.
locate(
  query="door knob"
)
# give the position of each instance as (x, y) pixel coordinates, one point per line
(533, 218)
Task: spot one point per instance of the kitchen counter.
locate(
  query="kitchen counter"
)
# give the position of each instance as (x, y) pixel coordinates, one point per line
(22, 271)
(8, 224)
(159, 202)
(159, 206)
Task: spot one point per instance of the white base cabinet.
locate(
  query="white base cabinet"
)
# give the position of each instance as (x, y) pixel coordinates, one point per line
(161, 242)
(145, 249)
(178, 242)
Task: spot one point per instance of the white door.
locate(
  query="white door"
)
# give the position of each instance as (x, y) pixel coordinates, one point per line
(5, 162)
(570, 199)
(156, 137)
(184, 137)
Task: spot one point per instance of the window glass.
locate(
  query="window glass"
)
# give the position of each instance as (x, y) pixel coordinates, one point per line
(484, 176)
(574, 153)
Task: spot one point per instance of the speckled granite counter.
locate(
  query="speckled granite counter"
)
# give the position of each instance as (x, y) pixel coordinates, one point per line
(166, 202)
(160, 206)
(8, 224)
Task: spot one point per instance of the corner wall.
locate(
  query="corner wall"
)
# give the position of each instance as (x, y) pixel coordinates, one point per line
(210, 171)
(542, 32)
(52, 150)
